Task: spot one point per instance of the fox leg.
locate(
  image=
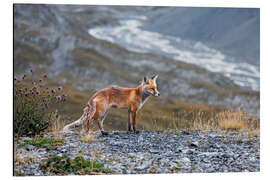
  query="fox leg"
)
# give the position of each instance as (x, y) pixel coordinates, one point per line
(100, 117)
(101, 127)
(133, 115)
(129, 120)
(102, 120)
(89, 122)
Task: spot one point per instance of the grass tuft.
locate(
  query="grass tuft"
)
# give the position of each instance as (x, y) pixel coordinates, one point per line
(231, 125)
(48, 143)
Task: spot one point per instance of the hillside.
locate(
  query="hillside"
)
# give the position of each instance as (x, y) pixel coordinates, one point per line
(234, 31)
(54, 40)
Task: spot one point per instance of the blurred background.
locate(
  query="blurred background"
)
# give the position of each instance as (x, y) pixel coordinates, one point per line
(207, 59)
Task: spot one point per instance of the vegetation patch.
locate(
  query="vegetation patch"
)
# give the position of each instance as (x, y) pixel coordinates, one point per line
(33, 104)
(114, 159)
(48, 143)
(79, 166)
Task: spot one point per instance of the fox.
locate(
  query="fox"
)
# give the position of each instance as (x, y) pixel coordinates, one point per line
(132, 99)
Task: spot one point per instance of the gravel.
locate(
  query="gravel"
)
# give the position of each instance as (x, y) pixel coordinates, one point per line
(168, 151)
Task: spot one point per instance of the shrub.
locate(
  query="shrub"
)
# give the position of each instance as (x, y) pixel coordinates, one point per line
(78, 165)
(32, 102)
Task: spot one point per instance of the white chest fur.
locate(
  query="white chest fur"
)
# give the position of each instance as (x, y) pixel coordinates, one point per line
(144, 99)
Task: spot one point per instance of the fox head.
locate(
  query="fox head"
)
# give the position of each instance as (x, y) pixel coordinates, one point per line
(150, 86)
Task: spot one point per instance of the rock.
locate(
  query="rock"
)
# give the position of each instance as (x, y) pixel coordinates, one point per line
(179, 149)
(188, 151)
(142, 167)
(185, 160)
(30, 147)
(155, 151)
(194, 144)
(26, 139)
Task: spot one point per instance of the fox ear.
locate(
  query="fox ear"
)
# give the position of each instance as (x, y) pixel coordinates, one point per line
(145, 79)
(155, 77)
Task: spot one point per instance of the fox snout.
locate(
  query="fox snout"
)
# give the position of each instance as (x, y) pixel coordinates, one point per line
(157, 94)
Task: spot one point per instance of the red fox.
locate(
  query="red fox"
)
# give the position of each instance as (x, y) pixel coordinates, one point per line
(117, 97)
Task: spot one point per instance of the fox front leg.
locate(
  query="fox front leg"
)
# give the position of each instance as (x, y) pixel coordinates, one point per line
(129, 120)
(133, 115)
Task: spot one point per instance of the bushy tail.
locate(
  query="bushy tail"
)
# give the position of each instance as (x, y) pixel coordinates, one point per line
(88, 113)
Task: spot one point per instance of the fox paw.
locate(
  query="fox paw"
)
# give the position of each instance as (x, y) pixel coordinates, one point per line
(104, 133)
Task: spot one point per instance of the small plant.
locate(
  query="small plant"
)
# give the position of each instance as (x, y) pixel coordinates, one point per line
(114, 159)
(48, 143)
(131, 156)
(19, 173)
(78, 165)
(87, 138)
(32, 102)
(81, 152)
(96, 154)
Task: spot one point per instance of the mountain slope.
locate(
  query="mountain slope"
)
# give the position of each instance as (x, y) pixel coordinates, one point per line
(234, 31)
(53, 39)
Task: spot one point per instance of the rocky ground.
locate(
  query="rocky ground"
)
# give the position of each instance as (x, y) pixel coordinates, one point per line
(167, 151)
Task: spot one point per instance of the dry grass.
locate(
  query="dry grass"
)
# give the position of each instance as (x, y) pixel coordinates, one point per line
(204, 117)
(237, 120)
(55, 121)
(230, 120)
(87, 138)
(230, 125)
(253, 133)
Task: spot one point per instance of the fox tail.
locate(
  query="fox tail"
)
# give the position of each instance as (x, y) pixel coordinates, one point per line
(88, 112)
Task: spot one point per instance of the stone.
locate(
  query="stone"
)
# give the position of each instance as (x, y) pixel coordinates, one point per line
(194, 144)
(30, 147)
(155, 151)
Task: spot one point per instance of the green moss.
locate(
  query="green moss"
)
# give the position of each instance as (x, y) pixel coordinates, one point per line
(48, 143)
(78, 165)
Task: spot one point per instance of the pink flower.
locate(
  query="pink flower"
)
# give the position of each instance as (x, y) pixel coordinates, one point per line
(35, 87)
(60, 88)
(38, 92)
(59, 98)
(53, 91)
